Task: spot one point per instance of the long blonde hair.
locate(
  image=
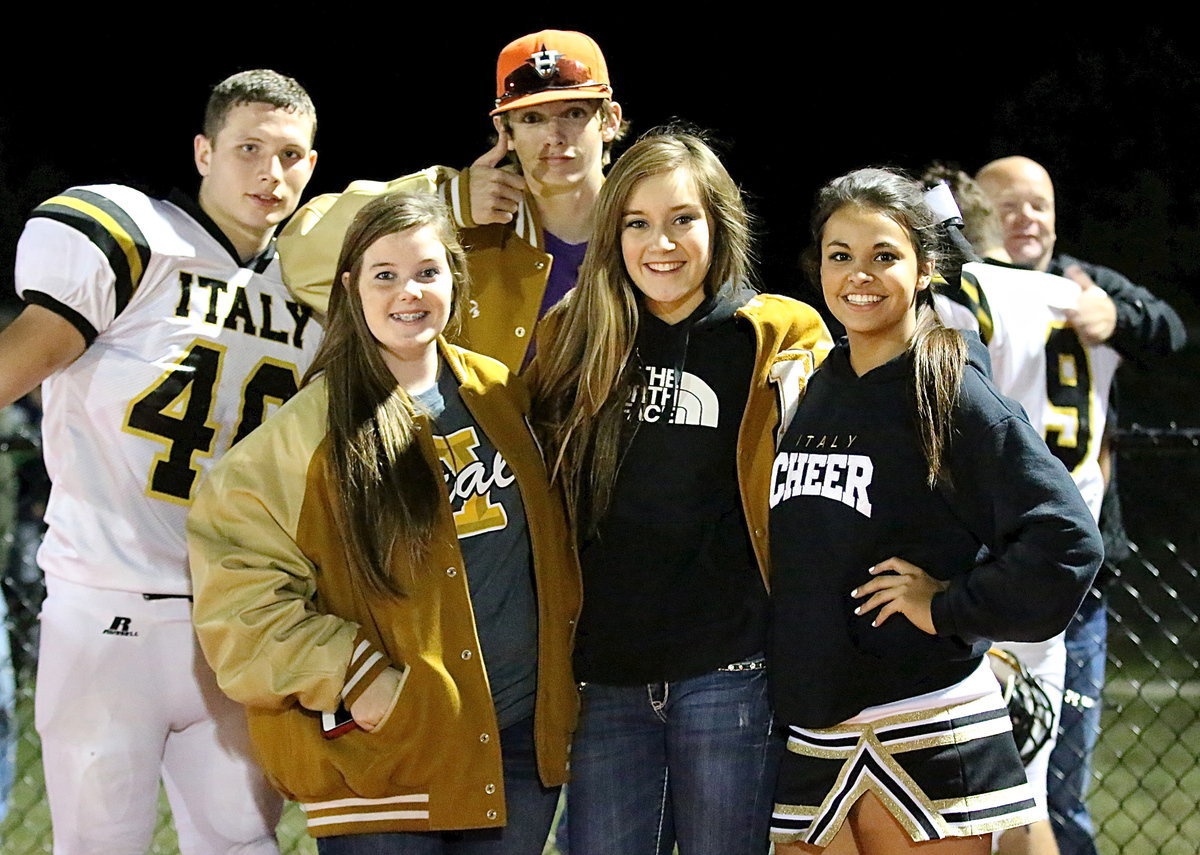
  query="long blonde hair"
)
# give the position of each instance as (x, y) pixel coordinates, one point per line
(387, 495)
(938, 353)
(584, 375)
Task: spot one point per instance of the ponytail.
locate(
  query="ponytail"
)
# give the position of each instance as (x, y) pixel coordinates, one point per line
(938, 357)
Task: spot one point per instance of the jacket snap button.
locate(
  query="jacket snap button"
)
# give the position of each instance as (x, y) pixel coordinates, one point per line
(483, 737)
(466, 654)
(489, 789)
(540, 265)
(491, 814)
(451, 572)
(520, 332)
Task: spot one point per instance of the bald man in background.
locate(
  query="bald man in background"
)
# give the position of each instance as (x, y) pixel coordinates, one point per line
(1141, 327)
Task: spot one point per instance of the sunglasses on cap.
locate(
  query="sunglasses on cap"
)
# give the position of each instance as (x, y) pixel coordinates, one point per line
(526, 79)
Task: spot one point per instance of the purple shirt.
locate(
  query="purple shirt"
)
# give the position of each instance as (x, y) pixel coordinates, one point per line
(563, 272)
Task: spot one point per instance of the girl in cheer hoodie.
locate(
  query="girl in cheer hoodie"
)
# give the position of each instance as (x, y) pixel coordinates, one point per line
(916, 517)
(654, 393)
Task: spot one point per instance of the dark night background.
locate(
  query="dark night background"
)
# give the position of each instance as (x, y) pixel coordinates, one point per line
(1113, 114)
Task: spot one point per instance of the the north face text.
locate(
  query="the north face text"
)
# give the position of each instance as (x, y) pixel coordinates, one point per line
(681, 398)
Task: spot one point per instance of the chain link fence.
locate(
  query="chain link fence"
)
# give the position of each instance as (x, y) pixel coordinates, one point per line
(1145, 792)
(1145, 781)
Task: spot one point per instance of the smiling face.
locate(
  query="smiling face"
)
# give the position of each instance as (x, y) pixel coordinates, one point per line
(560, 144)
(254, 171)
(870, 276)
(666, 242)
(406, 286)
(1023, 195)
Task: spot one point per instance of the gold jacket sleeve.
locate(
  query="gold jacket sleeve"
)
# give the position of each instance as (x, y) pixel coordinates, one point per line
(254, 587)
(309, 244)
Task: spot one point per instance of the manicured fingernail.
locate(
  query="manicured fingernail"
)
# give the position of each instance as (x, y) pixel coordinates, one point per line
(854, 593)
(858, 611)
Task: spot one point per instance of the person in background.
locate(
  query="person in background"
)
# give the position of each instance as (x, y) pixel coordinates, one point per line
(524, 223)
(1142, 328)
(1024, 319)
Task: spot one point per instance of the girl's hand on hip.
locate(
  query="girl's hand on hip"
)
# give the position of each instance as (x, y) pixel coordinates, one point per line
(900, 587)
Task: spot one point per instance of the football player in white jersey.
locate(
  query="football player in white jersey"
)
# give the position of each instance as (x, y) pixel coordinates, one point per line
(162, 334)
(1026, 319)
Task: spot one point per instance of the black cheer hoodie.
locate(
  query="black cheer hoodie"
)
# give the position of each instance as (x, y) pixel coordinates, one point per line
(1010, 533)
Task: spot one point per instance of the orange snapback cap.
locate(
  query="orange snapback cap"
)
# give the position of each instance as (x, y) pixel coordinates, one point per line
(552, 65)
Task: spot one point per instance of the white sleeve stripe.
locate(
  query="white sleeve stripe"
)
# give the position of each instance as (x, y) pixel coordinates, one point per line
(456, 202)
(360, 673)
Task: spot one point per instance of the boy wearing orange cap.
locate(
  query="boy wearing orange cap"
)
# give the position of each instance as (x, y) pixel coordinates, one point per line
(526, 223)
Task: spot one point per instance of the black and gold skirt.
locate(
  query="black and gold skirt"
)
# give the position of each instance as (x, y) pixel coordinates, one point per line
(951, 771)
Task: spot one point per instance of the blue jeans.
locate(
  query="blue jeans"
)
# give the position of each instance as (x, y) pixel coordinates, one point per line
(530, 812)
(691, 762)
(1079, 728)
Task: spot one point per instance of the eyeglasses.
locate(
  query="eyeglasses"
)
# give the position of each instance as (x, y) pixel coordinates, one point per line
(527, 79)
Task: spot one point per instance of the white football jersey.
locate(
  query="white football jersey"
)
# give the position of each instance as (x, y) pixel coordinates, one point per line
(188, 351)
(1038, 360)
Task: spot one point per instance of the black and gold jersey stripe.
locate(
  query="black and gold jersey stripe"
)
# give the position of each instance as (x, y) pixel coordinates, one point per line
(969, 294)
(110, 228)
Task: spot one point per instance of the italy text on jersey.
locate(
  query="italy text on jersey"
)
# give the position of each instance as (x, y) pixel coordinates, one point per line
(169, 321)
(189, 350)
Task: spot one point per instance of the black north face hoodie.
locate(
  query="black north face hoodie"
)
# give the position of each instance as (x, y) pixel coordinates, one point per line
(671, 586)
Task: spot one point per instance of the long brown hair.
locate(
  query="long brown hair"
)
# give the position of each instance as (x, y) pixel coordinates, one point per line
(584, 375)
(938, 353)
(388, 496)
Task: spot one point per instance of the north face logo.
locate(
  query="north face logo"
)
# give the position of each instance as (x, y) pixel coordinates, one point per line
(681, 398)
(120, 626)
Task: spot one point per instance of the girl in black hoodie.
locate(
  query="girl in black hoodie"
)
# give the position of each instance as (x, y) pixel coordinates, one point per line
(916, 516)
(654, 402)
